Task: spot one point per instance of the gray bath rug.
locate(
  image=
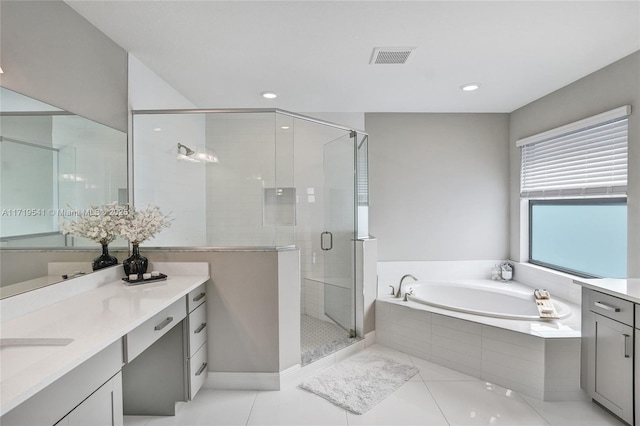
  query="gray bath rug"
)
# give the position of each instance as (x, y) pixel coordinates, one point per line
(360, 382)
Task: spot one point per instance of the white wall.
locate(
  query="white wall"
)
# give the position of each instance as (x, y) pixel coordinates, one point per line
(439, 185)
(147, 90)
(52, 54)
(613, 86)
(177, 187)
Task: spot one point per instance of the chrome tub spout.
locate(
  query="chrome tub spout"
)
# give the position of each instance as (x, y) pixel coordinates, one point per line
(399, 293)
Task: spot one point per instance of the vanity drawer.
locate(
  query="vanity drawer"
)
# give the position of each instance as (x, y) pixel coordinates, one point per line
(197, 371)
(197, 297)
(611, 307)
(197, 329)
(151, 330)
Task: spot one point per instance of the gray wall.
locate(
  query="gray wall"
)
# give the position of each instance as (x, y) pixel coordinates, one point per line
(253, 307)
(439, 185)
(52, 54)
(613, 86)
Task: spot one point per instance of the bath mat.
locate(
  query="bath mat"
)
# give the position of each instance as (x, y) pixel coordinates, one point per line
(360, 382)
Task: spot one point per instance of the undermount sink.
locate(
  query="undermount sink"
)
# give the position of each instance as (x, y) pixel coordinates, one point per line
(34, 341)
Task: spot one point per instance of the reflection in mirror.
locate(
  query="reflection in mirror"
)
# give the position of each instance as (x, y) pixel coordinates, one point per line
(54, 165)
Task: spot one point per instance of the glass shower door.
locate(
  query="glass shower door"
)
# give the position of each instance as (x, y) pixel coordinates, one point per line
(337, 238)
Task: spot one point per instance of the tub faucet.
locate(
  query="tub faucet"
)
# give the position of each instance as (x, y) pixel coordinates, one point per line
(399, 293)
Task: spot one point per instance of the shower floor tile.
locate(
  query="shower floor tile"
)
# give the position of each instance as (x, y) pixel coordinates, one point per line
(320, 338)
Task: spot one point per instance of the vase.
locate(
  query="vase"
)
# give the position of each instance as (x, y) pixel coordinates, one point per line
(135, 264)
(104, 260)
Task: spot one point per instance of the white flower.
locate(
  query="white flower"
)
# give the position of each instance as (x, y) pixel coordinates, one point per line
(140, 225)
(95, 223)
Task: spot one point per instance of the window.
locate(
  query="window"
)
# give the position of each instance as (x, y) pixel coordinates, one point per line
(570, 176)
(585, 237)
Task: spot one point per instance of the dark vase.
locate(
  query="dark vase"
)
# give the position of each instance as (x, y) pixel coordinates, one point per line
(104, 260)
(135, 264)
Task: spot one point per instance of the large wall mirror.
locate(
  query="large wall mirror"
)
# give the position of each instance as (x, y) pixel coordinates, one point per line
(63, 142)
(53, 165)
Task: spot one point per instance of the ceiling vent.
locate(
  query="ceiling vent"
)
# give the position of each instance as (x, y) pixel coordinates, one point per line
(390, 55)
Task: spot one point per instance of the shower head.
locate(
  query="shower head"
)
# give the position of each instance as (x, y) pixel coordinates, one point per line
(187, 151)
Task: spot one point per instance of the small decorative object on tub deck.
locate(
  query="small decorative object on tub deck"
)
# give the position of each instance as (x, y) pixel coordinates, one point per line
(138, 226)
(506, 271)
(99, 224)
(544, 304)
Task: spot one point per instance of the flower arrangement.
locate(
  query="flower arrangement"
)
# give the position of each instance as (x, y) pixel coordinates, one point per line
(98, 223)
(140, 225)
(104, 223)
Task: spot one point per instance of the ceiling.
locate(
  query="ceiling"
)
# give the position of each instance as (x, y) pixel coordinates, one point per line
(315, 54)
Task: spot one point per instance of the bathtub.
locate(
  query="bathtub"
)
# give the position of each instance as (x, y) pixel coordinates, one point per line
(489, 330)
(510, 300)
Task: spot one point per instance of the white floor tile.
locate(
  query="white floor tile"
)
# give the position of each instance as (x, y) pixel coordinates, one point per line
(295, 407)
(573, 413)
(391, 353)
(211, 407)
(436, 396)
(481, 403)
(411, 404)
(136, 420)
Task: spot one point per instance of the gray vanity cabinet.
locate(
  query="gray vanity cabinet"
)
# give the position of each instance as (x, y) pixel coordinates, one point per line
(197, 341)
(167, 357)
(637, 365)
(607, 358)
(90, 394)
(103, 407)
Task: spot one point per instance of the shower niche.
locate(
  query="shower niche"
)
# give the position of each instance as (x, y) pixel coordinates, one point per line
(279, 179)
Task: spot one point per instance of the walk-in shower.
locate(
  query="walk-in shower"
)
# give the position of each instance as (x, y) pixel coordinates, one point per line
(279, 179)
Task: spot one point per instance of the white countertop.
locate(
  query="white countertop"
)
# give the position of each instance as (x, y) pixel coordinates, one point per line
(93, 319)
(628, 289)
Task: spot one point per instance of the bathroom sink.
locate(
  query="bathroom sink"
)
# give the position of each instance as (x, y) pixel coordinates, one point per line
(34, 341)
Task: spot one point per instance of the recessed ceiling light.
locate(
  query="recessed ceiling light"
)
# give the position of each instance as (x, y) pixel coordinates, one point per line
(470, 87)
(284, 127)
(157, 129)
(269, 95)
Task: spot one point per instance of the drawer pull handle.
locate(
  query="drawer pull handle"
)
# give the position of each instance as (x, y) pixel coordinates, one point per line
(163, 324)
(201, 369)
(626, 340)
(199, 329)
(199, 297)
(606, 307)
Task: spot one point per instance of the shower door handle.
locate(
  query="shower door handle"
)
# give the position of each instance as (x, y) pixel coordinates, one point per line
(322, 240)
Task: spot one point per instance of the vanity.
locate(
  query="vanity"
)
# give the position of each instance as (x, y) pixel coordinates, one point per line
(91, 349)
(611, 345)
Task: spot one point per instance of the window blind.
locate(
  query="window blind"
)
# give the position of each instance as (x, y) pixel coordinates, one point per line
(589, 160)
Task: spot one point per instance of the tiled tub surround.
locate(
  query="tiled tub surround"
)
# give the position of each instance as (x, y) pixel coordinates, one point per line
(540, 359)
(536, 358)
(95, 311)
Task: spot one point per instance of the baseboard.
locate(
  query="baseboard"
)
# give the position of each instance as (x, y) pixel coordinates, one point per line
(285, 378)
(242, 381)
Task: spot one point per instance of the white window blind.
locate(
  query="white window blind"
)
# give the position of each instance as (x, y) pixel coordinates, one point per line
(585, 158)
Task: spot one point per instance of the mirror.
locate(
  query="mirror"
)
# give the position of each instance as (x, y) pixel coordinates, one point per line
(53, 165)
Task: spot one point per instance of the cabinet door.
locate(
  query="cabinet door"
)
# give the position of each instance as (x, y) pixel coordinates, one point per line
(103, 407)
(613, 385)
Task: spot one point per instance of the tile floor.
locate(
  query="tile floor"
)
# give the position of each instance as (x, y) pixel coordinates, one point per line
(435, 396)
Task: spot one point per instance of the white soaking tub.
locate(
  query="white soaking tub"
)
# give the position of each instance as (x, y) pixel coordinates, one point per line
(496, 299)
